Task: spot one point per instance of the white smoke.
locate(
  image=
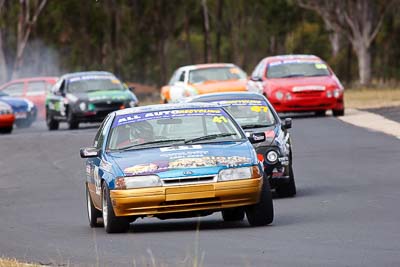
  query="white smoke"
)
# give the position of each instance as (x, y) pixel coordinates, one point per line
(40, 60)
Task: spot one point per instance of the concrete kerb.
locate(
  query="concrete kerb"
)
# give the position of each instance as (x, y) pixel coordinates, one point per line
(371, 121)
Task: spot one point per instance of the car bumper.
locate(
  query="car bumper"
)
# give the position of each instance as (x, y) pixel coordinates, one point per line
(7, 120)
(186, 198)
(309, 104)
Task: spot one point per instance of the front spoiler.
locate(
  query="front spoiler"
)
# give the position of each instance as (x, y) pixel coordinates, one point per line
(186, 198)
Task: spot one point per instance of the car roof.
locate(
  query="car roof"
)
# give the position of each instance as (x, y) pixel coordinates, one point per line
(29, 79)
(292, 57)
(161, 107)
(207, 66)
(68, 76)
(227, 96)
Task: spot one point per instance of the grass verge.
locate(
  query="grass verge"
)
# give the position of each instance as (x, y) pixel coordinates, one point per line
(372, 97)
(4, 262)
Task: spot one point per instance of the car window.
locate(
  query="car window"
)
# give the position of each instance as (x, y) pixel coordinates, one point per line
(15, 89)
(36, 88)
(182, 76)
(216, 74)
(94, 83)
(56, 86)
(288, 69)
(98, 139)
(174, 77)
(249, 112)
(259, 70)
(180, 124)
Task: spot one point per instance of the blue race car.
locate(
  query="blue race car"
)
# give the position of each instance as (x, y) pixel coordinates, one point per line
(255, 114)
(174, 161)
(25, 111)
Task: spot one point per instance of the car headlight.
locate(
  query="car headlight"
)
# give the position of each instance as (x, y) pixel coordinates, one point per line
(272, 157)
(329, 94)
(82, 106)
(336, 93)
(279, 95)
(137, 182)
(239, 173)
(288, 96)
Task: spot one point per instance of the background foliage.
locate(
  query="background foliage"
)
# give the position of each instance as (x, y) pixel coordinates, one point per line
(145, 40)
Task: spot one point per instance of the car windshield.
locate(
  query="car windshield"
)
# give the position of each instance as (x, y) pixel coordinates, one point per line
(94, 83)
(249, 113)
(297, 69)
(216, 74)
(167, 127)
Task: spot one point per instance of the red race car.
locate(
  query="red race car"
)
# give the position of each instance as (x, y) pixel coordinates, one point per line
(7, 118)
(298, 83)
(35, 89)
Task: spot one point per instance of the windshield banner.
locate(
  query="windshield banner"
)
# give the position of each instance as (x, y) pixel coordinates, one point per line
(167, 114)
(241, 102)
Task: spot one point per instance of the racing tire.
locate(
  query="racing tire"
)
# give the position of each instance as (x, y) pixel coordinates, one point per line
(92, 212)
(72, 122)
(262, 213)
(52, 124)
(112, 223)
(233, 215)
(338, 112)
(320, 113)
(287, 189)
(6, 130)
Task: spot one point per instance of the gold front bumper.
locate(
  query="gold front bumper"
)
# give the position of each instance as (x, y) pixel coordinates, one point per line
(185, 198)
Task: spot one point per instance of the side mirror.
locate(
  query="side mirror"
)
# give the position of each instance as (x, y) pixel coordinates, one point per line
(256, 137)
(256, 79)
(131, 88)
(287, 123)
(89, 152)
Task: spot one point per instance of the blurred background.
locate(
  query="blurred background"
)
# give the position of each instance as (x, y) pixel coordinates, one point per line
(143, 42)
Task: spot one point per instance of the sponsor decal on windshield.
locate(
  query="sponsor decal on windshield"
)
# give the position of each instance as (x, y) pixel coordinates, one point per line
(293, 61)
(91, 77)
(256, 105)
(170, 114)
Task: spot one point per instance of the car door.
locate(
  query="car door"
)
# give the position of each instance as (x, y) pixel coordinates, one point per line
(55, 100)
(94, 166)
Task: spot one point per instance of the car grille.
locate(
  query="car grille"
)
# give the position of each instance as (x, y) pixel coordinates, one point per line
(309, 94)
(188, 180)
(108, 106)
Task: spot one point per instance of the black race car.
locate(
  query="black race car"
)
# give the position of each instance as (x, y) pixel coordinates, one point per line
(255, 114)
(86, 97)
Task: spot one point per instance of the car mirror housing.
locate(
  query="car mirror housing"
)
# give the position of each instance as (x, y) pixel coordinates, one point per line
(287, 123)
(89, 152)
(256, 137)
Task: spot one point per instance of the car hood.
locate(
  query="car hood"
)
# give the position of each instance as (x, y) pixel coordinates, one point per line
(94, 96)
(220, 86)
(187, 160)
(305, 82)
(15, 103)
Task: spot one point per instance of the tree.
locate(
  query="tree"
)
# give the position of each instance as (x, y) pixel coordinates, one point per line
(206, 29)
(25, 23)
(359, 20)
(3, 63)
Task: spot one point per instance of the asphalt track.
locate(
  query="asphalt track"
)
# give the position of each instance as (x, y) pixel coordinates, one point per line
(346, 212)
